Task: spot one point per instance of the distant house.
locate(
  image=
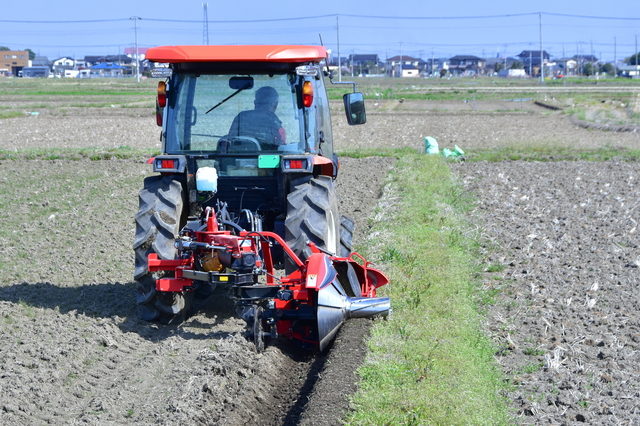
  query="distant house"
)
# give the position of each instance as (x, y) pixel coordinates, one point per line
(393, 67)
(629, 71)
(466, 65)
(13, 61)
(410, 71)
(36, 72)
(584, 59)
(40, 61)
(433, 66)
(532, 60)
(127, 64)
(364, 64)
(491, 64)
(532, 57)
(361, 60)
(116, 59)
(64, 61)
(63, 64)
(107, 69)
(565, 66)
(131, 52)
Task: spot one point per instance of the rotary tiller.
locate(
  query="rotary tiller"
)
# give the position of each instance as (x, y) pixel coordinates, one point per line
(308, 305)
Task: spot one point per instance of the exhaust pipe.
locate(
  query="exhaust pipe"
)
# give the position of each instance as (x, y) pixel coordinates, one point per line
(334, 307)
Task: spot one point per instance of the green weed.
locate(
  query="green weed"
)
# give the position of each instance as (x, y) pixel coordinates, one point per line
(432, 347)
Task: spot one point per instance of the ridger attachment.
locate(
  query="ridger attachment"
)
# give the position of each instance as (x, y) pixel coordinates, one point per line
(309, 305)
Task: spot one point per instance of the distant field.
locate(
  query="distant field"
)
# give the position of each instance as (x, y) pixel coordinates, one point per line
(476, 114)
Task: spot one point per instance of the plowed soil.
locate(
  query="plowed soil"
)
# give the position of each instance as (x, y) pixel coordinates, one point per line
(562, 242)
(73, 348)
(561, 239)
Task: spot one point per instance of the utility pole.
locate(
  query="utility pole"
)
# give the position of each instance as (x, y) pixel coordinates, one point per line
(505, 57)
(339, 64)
(541, 53)
(592, 59)
(615, 58)
(401, 58)
(431, 73)
(205, 27)
(351, 62)
(135, 22)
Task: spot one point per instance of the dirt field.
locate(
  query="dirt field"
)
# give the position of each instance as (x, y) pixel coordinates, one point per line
(74, 352)
(566, 319)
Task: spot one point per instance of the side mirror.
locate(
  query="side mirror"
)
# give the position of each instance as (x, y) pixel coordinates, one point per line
(354, 108)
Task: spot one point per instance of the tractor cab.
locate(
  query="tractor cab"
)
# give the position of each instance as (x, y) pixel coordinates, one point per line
(258, 115)
(246, 132)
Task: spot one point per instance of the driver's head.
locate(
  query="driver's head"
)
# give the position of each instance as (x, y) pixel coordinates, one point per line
(266, 97)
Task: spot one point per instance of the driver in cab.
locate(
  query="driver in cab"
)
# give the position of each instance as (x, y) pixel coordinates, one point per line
(261, 122)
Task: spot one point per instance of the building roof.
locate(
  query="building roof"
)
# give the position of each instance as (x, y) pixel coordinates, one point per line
(242, 53)
(108, 58)
(364, 58)
(40, 61)
(466, 58)
(533, 54)
(107, 66)
(404, 58)
(585, 58)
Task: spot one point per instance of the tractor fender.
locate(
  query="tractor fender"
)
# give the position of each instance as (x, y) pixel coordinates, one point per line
(325, 166)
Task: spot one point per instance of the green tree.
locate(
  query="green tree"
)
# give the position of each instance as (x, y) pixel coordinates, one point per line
(607, 68)
(517, 65)
(32, 54)
(4, 48)
(588, 69)
(498, 66)
(633, 59)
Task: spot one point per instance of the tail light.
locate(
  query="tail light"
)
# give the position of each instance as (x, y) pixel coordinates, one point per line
(166, 164)
(295, 164)
(169, 164)
(162, 94)
(307, 94)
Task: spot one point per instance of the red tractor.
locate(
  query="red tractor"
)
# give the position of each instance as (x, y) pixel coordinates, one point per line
(245, 188)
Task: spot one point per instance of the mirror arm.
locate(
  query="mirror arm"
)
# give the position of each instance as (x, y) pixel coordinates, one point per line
(345, 82)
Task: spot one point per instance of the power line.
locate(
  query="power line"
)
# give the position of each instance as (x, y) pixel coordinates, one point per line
(592, 17)
(63, 22)
(333, 16)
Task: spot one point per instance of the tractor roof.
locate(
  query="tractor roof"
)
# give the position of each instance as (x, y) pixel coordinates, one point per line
(243, 53)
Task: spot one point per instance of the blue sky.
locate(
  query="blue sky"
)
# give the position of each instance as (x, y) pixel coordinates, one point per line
(388, 28)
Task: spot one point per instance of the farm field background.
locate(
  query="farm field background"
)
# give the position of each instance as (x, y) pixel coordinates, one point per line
(556, 264)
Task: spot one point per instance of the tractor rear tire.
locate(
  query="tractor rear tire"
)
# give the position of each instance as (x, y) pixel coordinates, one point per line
(157, 226)
(312, 215)
(347, 226)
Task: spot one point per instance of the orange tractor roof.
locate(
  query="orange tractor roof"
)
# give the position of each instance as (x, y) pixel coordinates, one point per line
(242, 53)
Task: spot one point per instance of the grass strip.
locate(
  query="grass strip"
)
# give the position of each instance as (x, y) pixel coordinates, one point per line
(10, 114)
(431, 362)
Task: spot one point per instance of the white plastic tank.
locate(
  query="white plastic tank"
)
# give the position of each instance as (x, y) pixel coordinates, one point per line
(207, 179)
